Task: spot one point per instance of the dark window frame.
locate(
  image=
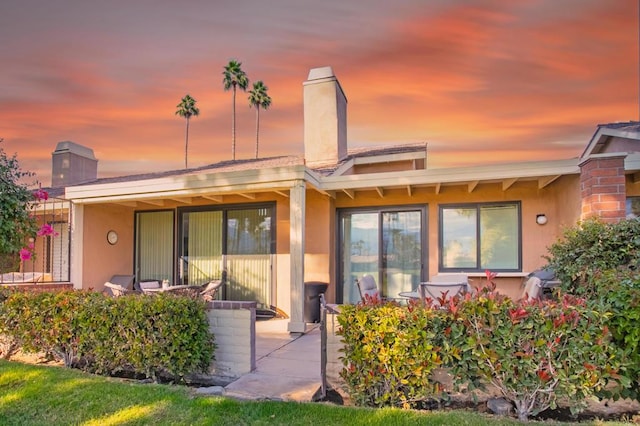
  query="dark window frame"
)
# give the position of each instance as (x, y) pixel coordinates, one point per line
(339, 214)
(477, 206)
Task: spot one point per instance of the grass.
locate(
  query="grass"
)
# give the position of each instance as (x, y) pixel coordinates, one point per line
(38, 395)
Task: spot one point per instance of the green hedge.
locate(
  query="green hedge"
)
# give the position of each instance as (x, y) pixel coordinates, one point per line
(593, 246)
(601, 261)
(534, 353)
(389, 353)
(155, 335)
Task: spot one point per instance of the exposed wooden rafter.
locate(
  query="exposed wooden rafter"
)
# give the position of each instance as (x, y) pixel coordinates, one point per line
(183, 200)
(127, 203)
(506, 184)
(472, 185)
(380, 191)
(159, 203)
(544, 181)
(350, 193)
(438, 185)
(282, 193)
(247, 195)
(216, 198)
(409, 191)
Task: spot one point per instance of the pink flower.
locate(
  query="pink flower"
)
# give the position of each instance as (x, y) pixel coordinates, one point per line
(25, 254)
(47, 229)
(41, 195)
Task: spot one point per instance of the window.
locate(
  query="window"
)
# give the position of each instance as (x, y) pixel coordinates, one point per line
(475, 237)
(633, 207)
(238, 239)
(154, 245)
(387, 243)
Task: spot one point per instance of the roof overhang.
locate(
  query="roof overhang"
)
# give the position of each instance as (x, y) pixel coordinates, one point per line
(602, 135)
(544, 172)
(208, 185)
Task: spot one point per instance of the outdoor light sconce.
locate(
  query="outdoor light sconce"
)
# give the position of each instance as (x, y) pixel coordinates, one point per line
(541, 219)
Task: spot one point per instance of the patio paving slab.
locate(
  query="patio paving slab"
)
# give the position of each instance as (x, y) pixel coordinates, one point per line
(287, 367)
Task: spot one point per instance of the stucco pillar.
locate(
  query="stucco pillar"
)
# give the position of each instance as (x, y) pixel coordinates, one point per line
(297, 200)
(77, 237)
(603, 187)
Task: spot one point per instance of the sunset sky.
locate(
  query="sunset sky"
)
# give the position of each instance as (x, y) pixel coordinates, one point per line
(480, 81)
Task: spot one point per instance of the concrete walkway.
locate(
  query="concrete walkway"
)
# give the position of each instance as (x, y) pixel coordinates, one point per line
(287, 366)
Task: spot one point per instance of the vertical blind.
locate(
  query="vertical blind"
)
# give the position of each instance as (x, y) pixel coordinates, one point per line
(154, 245)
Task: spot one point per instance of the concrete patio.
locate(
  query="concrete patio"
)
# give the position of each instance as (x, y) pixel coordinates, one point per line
(287, 365)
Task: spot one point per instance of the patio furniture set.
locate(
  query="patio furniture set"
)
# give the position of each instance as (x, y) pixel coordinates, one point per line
(120, 285)
(439, 288)
(442, 287)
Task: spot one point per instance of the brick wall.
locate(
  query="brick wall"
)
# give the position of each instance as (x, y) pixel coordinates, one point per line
(603, 188)
(234, 327)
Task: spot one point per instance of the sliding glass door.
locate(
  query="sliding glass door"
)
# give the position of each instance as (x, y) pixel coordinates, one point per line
(154, 245)
(201, 256)
(237, 239)
(388, 244)
(248, 260)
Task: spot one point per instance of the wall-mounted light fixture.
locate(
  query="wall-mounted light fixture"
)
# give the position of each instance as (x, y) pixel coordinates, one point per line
(541, 219)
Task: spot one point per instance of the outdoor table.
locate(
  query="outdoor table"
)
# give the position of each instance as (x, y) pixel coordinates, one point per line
(410, 294)
(163, 289)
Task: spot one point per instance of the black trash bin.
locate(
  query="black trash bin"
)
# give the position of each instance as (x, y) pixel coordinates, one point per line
(312, 290)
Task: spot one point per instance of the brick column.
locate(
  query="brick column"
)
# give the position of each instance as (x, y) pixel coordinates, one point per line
(603, 188)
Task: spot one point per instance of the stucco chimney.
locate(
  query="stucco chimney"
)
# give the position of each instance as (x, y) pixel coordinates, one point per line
(71, 164)
(325, 118)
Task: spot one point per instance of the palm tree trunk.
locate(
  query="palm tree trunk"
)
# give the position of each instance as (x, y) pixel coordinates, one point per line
(233, 126)
(257, 128)
(186, 144)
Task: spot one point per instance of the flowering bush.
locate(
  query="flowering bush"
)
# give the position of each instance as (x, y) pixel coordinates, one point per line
(16, 223)
(534, 352)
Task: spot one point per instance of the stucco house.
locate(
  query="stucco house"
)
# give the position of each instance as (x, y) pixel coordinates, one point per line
(337, 213)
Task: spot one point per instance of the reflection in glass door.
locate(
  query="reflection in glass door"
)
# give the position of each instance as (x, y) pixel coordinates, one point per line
(388, 244)
(201, 257)
(239, 240)
(249, 258)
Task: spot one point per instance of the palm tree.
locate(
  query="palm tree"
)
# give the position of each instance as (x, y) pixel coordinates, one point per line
(187, 109)
(234, 76)
(259, 98)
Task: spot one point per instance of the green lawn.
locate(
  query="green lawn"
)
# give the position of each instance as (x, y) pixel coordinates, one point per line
(44, 395)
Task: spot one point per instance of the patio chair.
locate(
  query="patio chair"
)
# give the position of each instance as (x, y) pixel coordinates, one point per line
(115, 290)
(532, 289)
(145, 286)
(210, 289)
(438, 292)
(368, 288)
(125, 281)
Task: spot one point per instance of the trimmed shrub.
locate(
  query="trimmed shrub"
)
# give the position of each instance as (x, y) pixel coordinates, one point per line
(155, 335)
(143, 335)
(48, 321)
(535, 353)
(390, 352)
(593, 246)
(9, 343)
(618, 291)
